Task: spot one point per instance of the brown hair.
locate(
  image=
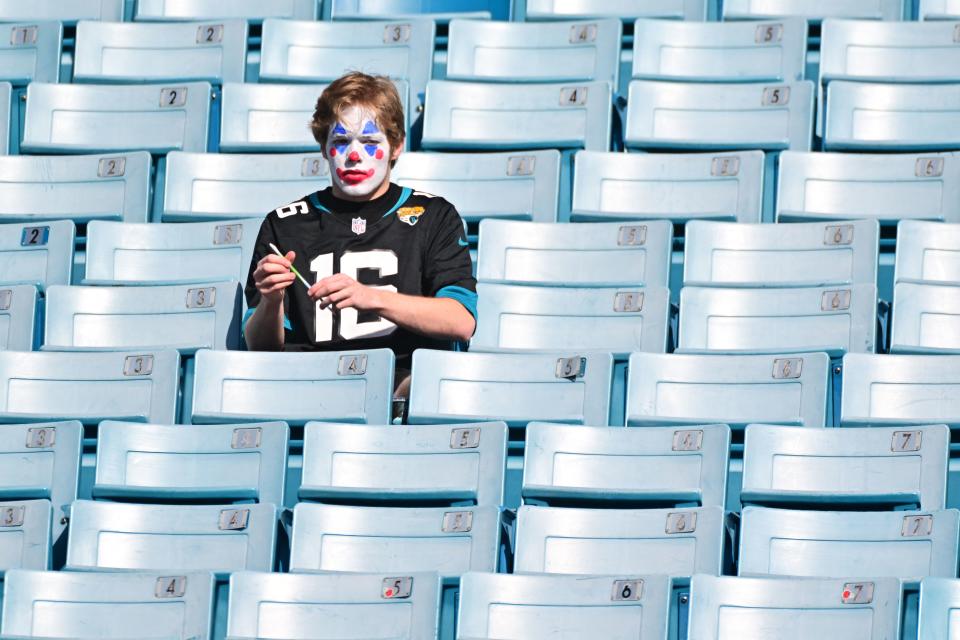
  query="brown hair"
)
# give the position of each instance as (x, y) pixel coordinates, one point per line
(377, 93)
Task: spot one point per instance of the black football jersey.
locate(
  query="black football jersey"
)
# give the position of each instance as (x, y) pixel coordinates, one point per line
(405, 240)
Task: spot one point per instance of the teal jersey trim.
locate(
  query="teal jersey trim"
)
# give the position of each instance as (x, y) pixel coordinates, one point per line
(464, 296)
(249, 312)
(315, 200)
(403, 198)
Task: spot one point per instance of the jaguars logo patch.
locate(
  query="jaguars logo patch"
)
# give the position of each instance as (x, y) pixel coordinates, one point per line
(410, 215)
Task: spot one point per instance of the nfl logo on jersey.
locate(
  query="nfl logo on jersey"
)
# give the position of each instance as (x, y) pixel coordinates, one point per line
(358, 226)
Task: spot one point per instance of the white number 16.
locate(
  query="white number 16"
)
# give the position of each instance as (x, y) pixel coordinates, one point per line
(383, 261)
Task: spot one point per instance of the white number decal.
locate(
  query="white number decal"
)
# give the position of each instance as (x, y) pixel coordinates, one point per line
(384, 262)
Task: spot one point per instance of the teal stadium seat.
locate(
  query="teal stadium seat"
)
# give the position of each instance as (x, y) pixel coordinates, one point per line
(909, 545)
(456, 464)
(56, 10)
(176, 538)
(166, 463)
(623, 9)
(19, 315)
(927, 252)
(926, 318)
(234, 386)
(139, 386)
(673, 542)
(939, 9)
(31, 53)
(36, 254)
(613, 466)
(600, 254)
(939, 607)
(538, 607)
(274, 605)
(727, 389)
(77, 118)
(439, 10)
(79, 188)
(869, 467)
(6, 103)
(25, 535)
(814, 10)
(675, 187)
(252, 10)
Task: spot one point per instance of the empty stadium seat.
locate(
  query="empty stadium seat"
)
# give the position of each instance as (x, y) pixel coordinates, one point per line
(189, 252)
(100, 605)
(264, 605)
(447, 540)
(90, 387)
(900, 389)
(183, 317)
(835, 544)
(939, 9)
(939, 605)
(725, 254)
(727, 608)
(19, 315)
(674, 542)
(814, 10)
(252, 10)
(41, 460)
(459, 464)
(68, 118)
(720, 52)
(158, 537)
(78, 188)
(213, 186)
(439, 10)
(728, 389)
(233, 386)
(478, 115)
(514, 387)
(125, 52)
(37, 254)
(598, 254)
(6, 104)
(764, 320)
(667, 115)
(927, 252)
(869, 466)
(25, 535)
(887, 187)
(606, 466)
(537, 607)
(68, 13)
(677, 187)
(621, 320)
(526, 52)
(624, 9)
(151, 462)
(926, 318)
(32, 52)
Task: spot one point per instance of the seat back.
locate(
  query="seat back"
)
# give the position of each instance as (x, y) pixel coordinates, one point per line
(814, 10)
(439, 10)
(927, 252)
(25, 535)
(925, 318)
(55, 10)
(623, 9)
(37, 254)
(939, 607)
(6, 102)
(31, 53)
(252, 10)
(18, 318)
(939, 9)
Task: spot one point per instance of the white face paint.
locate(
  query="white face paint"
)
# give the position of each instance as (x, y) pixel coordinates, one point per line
(358, 153)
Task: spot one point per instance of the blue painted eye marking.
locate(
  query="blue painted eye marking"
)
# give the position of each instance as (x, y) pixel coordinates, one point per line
(369, 129)
(341, 148)
(339, 129)
(371, 149)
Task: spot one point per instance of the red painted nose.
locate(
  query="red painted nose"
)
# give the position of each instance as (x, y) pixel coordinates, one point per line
(353, 157)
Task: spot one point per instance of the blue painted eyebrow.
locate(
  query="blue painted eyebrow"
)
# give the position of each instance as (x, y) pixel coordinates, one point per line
(339, 129)
(369, 128)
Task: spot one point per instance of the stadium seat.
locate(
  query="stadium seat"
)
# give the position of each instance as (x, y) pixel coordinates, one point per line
(623, 9)
(514, 387)
(720, 52)
(864, 116)
(727, 389)
(668, 115)
(868, 466)
(186, 253)
(158, 537)
(926, 318)
(83, 605)
(927, 252)
(252, 10)
(538, 607)
(161, 463)
(233, 386)
(273, 605)
(41, 460)
(621, 320)
(814, 10)
(676, 187)
(723, 254)
(78, 188)
(139, 386)
(25, 535)
(610, 466)
(478, 115)
(19, 315)
(68, 118)
(447, 540)
(40, 255)
(580, 255)
(900, 390)
(527, 185)
(213, 186)
(939, 607)
(525, 52)
(6, 102)
(939, 9)
(180, 317)
(728, 608)
(457, 464)
(31, 53)
(439, 10)
(674, 542)
(837, 321)
(57, 10)
(835, 544)
(888, 187)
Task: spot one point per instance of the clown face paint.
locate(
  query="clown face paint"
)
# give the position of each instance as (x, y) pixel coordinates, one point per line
(358, 153)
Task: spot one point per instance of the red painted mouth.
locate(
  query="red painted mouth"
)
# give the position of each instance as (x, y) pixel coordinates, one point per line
(354, 176)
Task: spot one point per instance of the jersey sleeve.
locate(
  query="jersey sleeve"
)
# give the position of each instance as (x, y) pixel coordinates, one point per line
(261, 248)
(448, 269)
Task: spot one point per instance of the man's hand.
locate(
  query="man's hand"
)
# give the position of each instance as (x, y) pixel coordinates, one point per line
(273, 275)
(344, 292)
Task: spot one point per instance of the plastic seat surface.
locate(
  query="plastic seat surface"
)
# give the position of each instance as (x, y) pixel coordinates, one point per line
(815, 10)
(6, 103)
(939, 608)
(31, 52)
(939, 9)
(252, 10)
(926, 318)
(623, 9)
(19, 330)
(927, 252)
(37, 254)
(25, 535)
(55, 10)
(439, 10)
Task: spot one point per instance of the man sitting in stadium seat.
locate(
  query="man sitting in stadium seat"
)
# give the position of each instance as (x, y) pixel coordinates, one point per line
(391, 266)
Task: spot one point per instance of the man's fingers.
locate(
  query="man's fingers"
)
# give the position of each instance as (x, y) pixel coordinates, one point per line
(272, 258)
(280, 278)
